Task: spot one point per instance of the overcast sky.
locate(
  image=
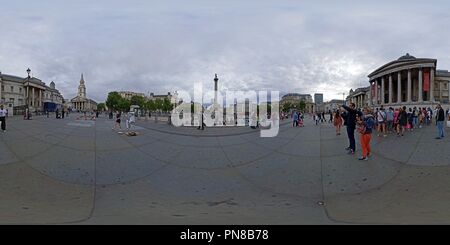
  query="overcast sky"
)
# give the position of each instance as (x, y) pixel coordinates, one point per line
(161, 46)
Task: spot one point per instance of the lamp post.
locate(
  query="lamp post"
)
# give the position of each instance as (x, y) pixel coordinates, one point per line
(28, 96)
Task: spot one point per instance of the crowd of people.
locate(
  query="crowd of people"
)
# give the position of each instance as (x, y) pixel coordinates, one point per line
(383, 122)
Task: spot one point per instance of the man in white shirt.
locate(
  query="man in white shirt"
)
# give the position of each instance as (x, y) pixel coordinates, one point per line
(131, 120)
(3, 113)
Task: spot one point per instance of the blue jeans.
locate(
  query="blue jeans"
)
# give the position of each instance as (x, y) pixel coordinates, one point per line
(351, 137)
(415, 121)
(440, 125)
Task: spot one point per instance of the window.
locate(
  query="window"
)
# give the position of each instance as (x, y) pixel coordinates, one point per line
(3, 88)
(20, 90)
(12, 89)
(11, 100)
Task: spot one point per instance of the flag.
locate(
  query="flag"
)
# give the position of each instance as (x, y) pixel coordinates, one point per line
(426, 80)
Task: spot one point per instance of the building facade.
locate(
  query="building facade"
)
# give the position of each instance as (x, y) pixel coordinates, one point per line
(332, 105)
(360, 97)
(128, 94)
(81, 102)
(409, 81)
(318, 99)
(19, 93)
(295, 99)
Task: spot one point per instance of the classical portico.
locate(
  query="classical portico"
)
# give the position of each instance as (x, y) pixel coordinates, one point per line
(409, 81)
(34, 89)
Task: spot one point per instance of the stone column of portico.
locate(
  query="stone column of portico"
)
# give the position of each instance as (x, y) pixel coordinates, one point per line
(28, 95)
(32, 98)
(448, 86)
(382, 91)
(420, 85)
(390, 89)
(370, 95)
(409, 88)
(40, 98)
(432, 84)
(399, 87)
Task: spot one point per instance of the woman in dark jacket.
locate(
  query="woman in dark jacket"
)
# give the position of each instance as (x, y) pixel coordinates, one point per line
(402, 121)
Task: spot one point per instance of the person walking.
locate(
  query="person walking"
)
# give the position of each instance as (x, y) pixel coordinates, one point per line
(351, 125)
(440, 119)
(3, 113)
(381, 119)
(389, 119)
(295, 119)
(338, 121)
(410, 120)
(415, 117)
(117, 124)
(365, 123)
(402, 121)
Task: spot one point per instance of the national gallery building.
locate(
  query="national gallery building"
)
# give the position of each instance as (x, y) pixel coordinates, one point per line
(409, 81)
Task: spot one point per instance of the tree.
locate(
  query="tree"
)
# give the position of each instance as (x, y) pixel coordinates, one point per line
(138, 100)
(302, 105)
(150, 105)
(113, 100)
(287, 106)
(124, 104)
(158, 104)
(167, 106)
(101, 107)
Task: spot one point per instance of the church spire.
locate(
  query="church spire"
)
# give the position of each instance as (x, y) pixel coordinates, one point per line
(82, 79)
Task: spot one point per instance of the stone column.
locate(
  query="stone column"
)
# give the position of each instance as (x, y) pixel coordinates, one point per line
(28, 95)
(390, 89)
(409, 87)
(370, 95)
(432, 84)
(420, 85)
(399, 87)
(382, 90)
(448, 86)
(32, 96)
(40, 98)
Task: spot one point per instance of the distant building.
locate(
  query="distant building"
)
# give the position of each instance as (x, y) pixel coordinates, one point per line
(129, 94)
(332, 105)
(171, 97)
(81, 102)
(295, 99)
(318, 99)
(360, 97)
(18, 93)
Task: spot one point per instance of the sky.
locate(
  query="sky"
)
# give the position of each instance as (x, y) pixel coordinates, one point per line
(163, 46)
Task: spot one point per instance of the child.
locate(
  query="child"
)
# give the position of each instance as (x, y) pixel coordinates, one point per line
(365, 125)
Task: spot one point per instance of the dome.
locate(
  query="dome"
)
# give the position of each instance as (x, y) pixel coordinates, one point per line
(407, 57)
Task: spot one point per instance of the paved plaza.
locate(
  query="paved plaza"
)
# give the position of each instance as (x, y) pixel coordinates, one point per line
(81, 172)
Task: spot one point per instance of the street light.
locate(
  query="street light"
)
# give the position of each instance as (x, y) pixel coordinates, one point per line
(27, 116)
